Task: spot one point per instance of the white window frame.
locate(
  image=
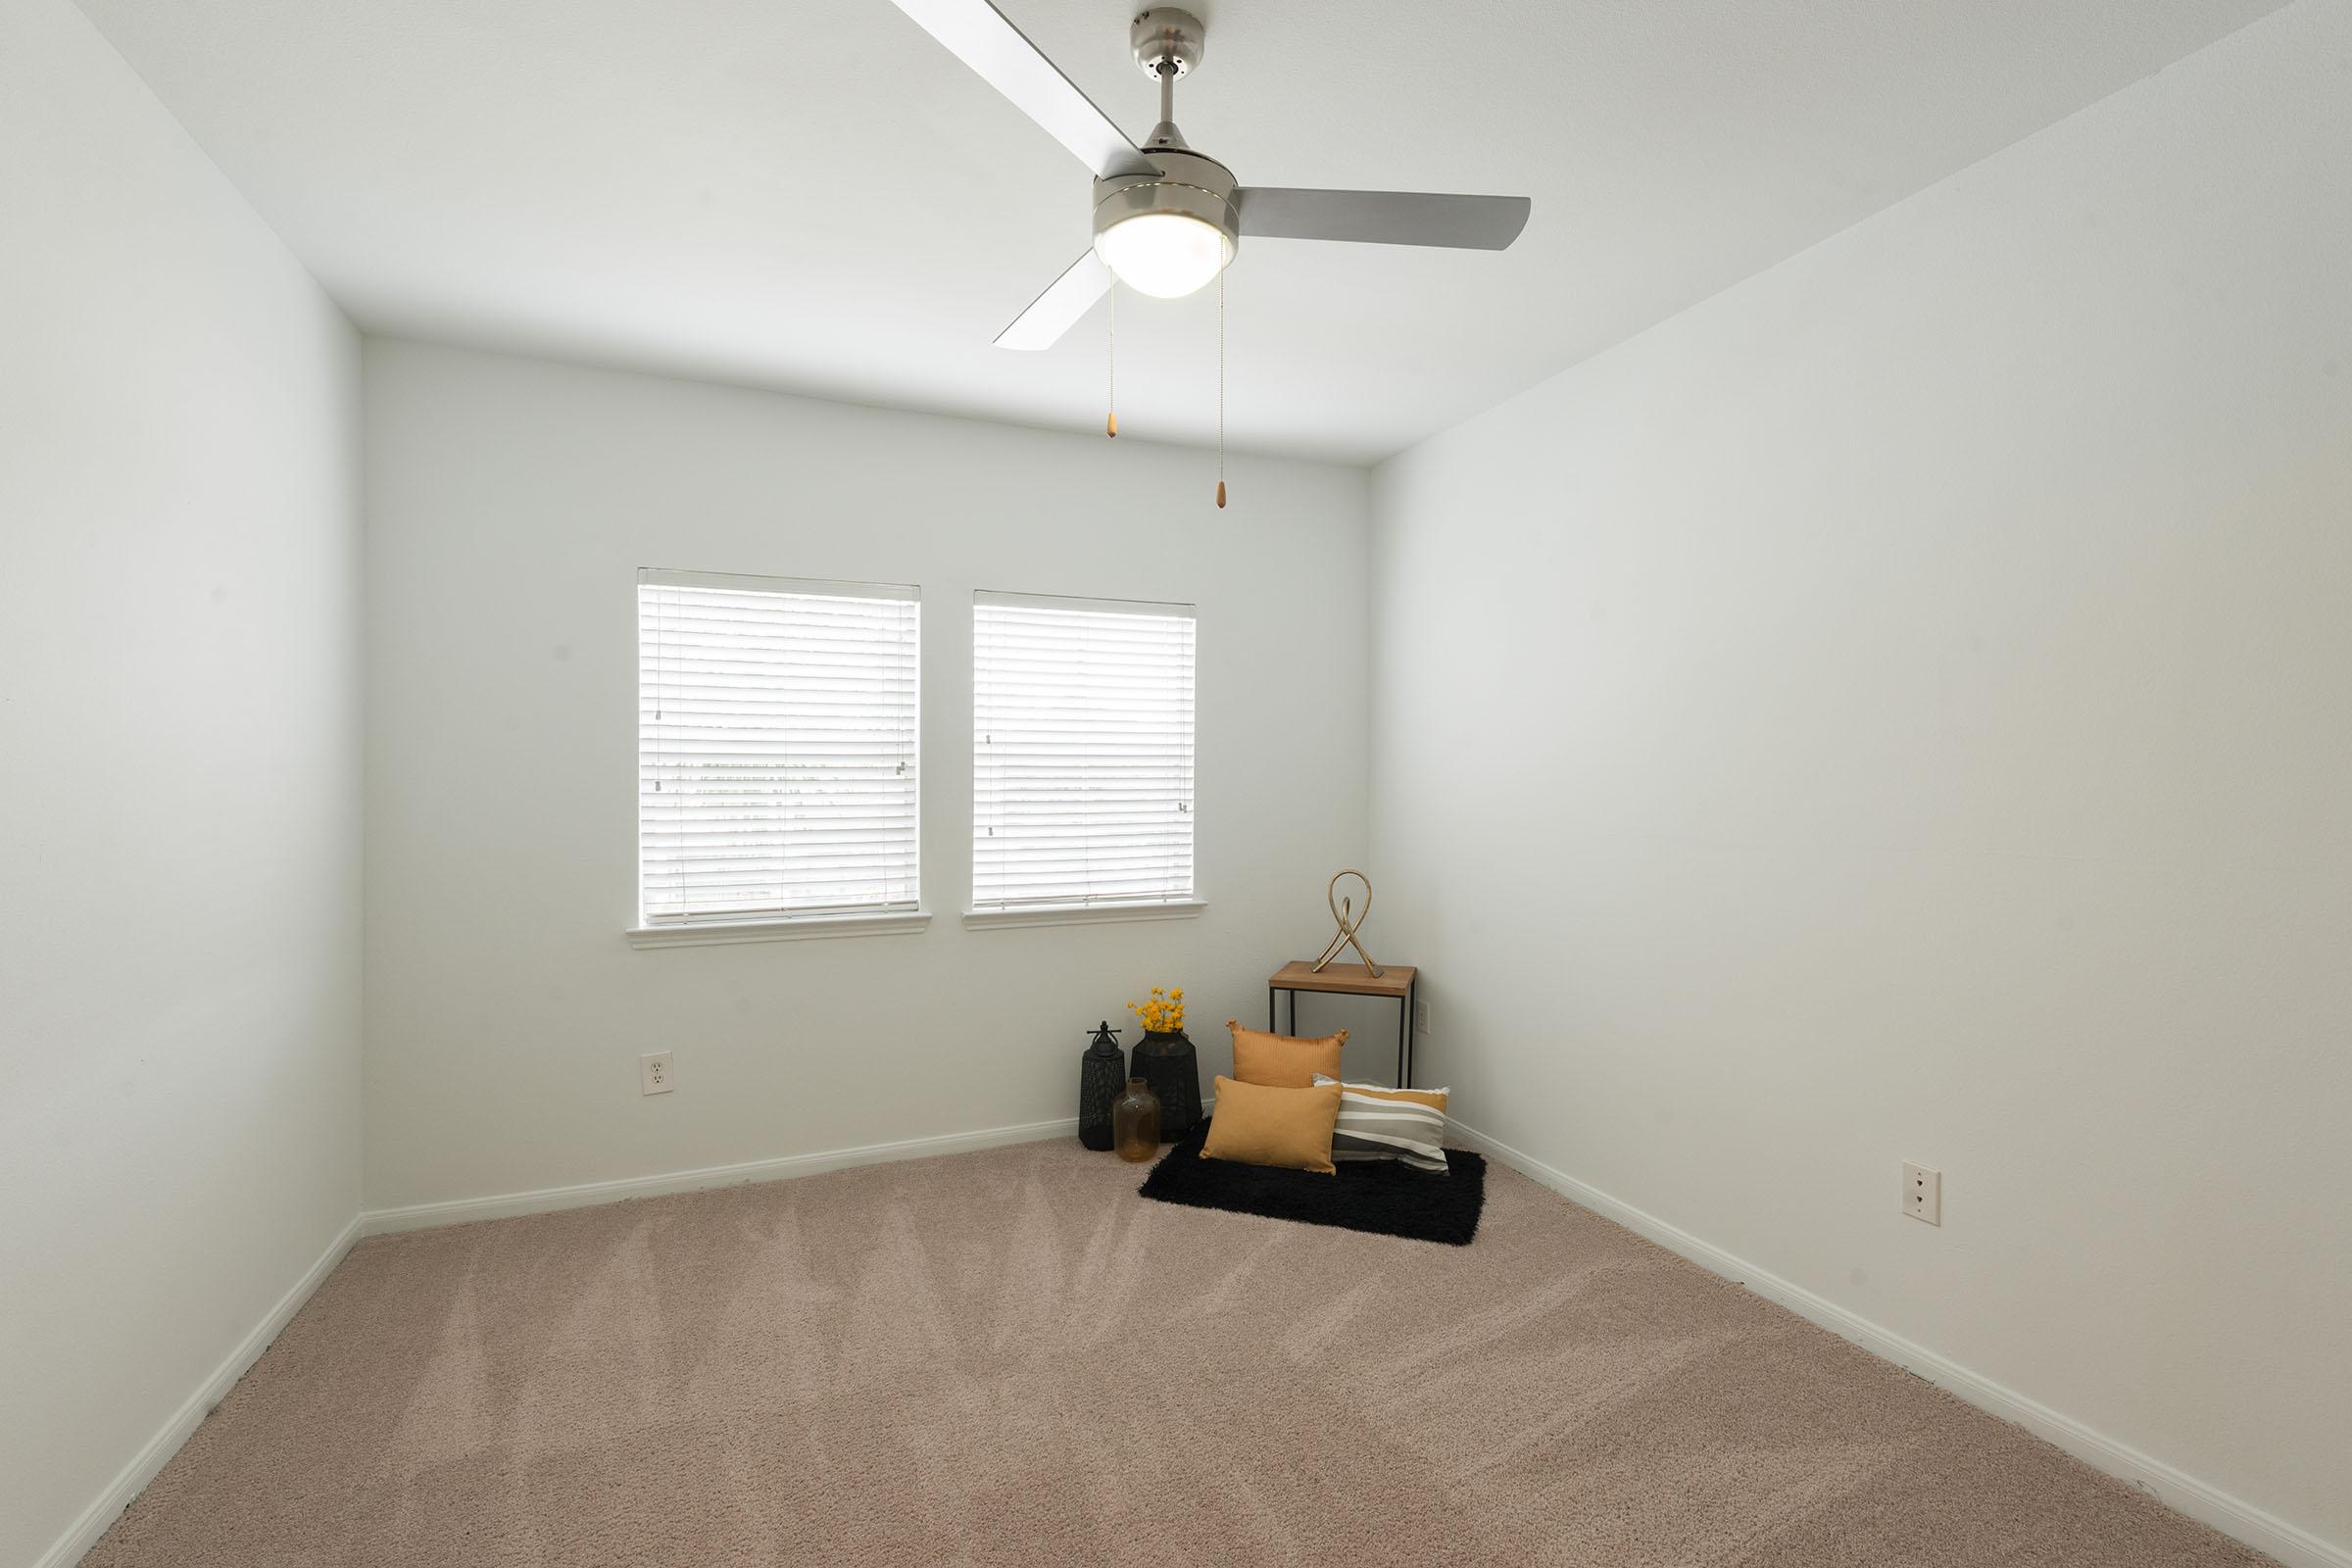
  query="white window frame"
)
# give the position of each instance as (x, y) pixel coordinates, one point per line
(895, 917)
(1079, 907)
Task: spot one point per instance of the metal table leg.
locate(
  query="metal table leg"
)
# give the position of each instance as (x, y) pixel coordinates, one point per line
(1411, 1020)
(1405, 1019)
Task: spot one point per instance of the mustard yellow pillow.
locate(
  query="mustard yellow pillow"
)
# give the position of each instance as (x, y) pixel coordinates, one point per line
(1254, 1125)
(1279, 1062)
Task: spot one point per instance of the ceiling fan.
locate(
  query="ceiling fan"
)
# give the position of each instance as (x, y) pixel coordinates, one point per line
(1167, 219)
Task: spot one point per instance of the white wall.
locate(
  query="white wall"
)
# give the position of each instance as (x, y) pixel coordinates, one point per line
(1903, 709)
(509, 504)
(180, 784)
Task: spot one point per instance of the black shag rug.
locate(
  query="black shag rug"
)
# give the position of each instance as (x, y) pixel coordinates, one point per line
(1379, 1195)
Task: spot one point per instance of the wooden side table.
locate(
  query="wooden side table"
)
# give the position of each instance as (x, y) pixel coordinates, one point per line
(1395, 981)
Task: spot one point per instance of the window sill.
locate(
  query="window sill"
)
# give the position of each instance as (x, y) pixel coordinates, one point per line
(1081, 915)
(721, 932)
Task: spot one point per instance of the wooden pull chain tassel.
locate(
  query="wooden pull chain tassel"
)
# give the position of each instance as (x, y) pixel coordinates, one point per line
(1220, 391)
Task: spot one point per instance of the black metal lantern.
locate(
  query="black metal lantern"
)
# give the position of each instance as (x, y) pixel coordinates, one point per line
(1101, 1074)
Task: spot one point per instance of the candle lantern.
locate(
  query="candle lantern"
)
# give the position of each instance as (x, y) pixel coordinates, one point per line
(1101, 1074)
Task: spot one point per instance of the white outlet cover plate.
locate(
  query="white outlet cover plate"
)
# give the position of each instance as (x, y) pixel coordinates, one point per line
(1923, 1192)
(655, 1073)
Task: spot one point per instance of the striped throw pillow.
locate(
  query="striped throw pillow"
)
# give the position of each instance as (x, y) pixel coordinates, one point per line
(1407, 1125)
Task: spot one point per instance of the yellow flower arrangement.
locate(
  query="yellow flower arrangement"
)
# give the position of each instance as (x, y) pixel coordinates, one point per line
(1163, 1012)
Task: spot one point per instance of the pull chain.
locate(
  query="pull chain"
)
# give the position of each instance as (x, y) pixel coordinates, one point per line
(1111, 395)
(660, 684)
(1220, 387)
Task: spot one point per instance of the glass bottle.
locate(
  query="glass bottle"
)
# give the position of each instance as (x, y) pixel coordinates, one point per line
(1135, 1122)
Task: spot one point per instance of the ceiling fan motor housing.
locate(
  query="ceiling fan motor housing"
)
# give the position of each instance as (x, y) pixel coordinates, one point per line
(1188, 182)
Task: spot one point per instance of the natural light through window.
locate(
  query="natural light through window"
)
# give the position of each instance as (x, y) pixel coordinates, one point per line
(1082, 753)
(776, 749)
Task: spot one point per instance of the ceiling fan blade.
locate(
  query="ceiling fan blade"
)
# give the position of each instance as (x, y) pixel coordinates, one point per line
(978, 34)
(1058, 310)
(1383, 216)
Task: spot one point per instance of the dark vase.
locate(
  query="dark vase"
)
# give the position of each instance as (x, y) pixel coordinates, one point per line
(1167, 1062)
(1101, 1074)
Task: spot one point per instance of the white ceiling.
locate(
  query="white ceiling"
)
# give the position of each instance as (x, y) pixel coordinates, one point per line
(817, 197)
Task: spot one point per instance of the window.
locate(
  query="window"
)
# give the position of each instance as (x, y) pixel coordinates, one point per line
(1082, 753)
(776, 724)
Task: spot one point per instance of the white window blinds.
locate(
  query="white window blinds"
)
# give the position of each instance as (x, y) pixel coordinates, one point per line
(1082, 756)
(776, 724)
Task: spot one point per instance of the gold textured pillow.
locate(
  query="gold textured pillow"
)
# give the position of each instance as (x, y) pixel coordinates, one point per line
(1290, 1128)
(1280, 1061)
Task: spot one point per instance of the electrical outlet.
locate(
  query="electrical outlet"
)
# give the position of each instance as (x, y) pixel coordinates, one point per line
(1420, 1017)
(655, 1072)
(1923, 1192)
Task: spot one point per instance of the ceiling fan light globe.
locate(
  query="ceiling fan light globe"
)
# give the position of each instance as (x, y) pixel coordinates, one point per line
(1166, 255)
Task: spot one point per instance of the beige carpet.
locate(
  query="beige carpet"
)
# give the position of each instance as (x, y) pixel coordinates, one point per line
(1010, 1359)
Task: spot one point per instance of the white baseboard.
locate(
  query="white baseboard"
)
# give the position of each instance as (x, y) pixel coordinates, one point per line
(2234, 1517)
(83, 1532)
(2200, 1501)
(539, 1200)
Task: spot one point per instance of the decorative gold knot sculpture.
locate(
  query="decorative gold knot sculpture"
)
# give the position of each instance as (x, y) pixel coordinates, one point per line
(1344, 911)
